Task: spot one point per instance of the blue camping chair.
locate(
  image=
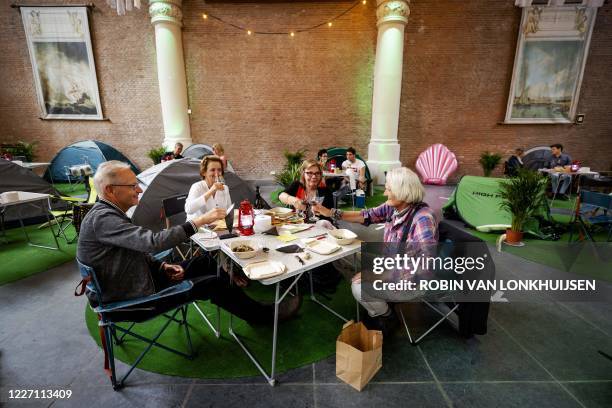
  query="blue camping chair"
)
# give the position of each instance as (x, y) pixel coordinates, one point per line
(595, 210)
(134, 311)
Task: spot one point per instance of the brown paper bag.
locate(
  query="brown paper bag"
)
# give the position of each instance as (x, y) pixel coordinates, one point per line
(358, 354)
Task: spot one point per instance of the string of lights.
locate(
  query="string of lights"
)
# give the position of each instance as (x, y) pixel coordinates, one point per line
(292, 33)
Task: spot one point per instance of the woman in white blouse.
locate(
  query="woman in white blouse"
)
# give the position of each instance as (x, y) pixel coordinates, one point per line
(210, 192)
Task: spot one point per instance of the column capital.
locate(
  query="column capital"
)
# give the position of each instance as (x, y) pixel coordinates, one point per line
(392, 11)
(167, 11)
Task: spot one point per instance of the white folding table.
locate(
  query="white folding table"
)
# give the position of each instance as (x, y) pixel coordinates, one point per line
(31, 198)
(294, 271)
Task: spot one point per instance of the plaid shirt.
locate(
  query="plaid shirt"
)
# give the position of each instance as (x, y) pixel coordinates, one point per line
(420, 236)
(423, 229)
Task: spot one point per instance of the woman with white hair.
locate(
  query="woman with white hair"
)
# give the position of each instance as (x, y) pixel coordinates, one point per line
(407, 219)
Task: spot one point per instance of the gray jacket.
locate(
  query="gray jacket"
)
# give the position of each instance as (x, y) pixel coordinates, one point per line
(118, 251)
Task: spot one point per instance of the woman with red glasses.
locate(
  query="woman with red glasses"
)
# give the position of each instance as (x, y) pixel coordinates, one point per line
(307, 190)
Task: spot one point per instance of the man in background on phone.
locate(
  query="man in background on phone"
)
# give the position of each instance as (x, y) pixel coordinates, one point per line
(561, 163)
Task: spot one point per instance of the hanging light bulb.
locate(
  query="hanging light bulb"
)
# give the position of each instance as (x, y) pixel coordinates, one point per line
(329, 24)
(364, 1)
(249, 32)
(204, 16)
(292, 34)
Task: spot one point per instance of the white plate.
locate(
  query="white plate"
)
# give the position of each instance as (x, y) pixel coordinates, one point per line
(264, 269)
(294, 228)
(322, 247)
(342, 236)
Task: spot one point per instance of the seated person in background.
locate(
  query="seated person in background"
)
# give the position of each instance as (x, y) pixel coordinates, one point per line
(175, 154)
(219, 151)
(355, 165)
(514, 163)
(209, 193)
(560, 162)
(407, 219)
(300, 194)
(119, 252)
(322, 158)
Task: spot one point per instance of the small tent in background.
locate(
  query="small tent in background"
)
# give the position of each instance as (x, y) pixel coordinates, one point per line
(476, 201)
(199, 150)
(13, 177)
(172, 178)
(92, 152)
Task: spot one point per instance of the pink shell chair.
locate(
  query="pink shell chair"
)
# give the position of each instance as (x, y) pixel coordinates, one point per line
(435, 164)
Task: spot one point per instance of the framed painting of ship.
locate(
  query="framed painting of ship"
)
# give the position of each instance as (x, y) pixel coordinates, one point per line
(549, 64)
(63, 66)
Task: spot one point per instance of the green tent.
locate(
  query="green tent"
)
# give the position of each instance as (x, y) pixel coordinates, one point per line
(476, 201)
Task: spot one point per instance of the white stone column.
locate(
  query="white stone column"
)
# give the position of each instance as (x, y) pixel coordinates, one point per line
(166, 16)
(383, 150)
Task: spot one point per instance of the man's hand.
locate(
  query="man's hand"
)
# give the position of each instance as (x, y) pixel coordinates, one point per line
(356, 278)
(174, 272)
(210, 217)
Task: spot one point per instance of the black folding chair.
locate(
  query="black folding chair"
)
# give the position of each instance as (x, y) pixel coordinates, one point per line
(173, 212)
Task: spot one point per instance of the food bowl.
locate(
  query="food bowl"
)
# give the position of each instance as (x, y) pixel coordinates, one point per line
(342, 236)
(239, 248)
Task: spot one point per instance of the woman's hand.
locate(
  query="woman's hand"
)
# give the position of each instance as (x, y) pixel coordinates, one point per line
(319, 209)
(298, 204)
(218, 186)
(210, 217)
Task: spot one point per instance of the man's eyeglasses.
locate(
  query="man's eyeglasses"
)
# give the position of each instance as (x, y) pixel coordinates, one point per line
(134, 186)
(313, 173)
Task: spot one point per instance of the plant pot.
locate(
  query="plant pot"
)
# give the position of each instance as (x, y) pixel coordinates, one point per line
(513, 237)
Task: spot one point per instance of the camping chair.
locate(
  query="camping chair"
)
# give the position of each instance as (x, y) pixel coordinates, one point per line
(134, 311)
(467, 318)
(436, 164)
(595, 210)
(73, 205)
(173, 208)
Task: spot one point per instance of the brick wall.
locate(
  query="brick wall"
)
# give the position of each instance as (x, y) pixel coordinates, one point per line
(261, 95)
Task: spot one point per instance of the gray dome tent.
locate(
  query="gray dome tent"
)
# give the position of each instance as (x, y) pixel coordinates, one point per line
(93, 152)
(175, 177)
(13, 177)
(197, 151)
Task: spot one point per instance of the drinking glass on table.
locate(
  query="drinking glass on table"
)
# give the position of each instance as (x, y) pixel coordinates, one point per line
(313, 201)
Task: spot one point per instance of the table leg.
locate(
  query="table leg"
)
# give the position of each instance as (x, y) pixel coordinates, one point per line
(270, 378)
(50, 228)
(317, 301)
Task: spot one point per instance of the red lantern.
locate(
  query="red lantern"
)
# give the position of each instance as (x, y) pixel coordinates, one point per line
(246, 218)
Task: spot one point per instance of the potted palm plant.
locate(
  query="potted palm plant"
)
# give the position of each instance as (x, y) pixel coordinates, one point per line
(522, 196)
(489, 161)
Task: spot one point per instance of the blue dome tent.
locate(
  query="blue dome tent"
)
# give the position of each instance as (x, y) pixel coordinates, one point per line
(92, 152)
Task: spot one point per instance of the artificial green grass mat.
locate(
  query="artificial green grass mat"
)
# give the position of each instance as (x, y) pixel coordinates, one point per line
(309, 337)
(20, 260)
(66, 189)
(591, 261)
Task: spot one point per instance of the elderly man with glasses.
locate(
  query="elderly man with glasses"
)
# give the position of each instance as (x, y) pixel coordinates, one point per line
(119, 251)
